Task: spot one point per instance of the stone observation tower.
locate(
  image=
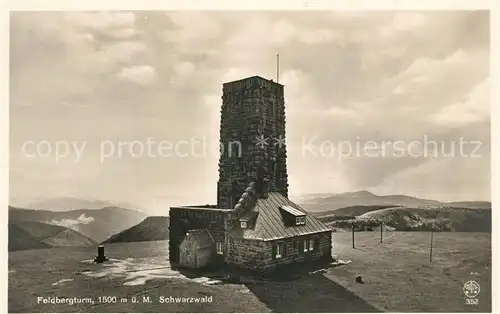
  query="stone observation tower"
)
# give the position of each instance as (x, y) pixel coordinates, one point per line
(253, 225)
(252, 139)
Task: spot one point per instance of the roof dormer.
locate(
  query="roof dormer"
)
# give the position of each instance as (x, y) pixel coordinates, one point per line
(293, 216)
(247, 220)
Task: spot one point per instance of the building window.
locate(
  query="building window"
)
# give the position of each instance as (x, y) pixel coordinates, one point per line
(220, 248)
(243, 224)
(279, 251)
(311, 244)
(306, 244)
(300, 220)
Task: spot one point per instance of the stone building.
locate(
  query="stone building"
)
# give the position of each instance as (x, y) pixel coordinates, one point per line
(254, 225)
(196, 249)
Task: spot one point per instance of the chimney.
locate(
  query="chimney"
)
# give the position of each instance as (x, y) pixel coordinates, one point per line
(265, 188)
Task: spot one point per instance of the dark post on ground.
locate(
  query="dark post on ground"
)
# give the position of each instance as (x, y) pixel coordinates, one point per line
(359, 279)
(430, 251)
(353, 246)
(381, 232)
(100, 255)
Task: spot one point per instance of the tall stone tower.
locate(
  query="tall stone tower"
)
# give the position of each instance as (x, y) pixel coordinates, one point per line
(252, 138)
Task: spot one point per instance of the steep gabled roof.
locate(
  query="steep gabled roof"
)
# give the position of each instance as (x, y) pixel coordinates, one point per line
(201, 237)
(270, 223)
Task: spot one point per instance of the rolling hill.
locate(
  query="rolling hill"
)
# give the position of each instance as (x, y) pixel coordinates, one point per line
(97, 224)
(20, 239)
(330, 203)
(456, 219)
(150, 229)
(38, 235)
(350, 211)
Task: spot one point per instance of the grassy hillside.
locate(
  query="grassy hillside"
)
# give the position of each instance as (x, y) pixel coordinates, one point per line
(38, 235)
(471, 205)
(69, 237)
(363, 198)
(332, 202)
(417, 219)
(97, 224)
(350, 211)
(40, 230)
(397, 275)
(19, 240)
(150, 229)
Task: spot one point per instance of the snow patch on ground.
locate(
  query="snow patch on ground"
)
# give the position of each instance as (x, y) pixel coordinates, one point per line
(138, 271)
(57, 283)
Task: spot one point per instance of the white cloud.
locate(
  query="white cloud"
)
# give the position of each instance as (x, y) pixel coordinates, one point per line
(263, 32)
(233, 74)
(257, 32)
(122, 33)
(101, 21)
(447, 179)
(338, 111)
(142, 75)
(316, 36)
(124, 50)
(191, 30)
(120, 25)
(78, 39)
(474, 108)
(398, 90)
(282, 31)
(413, 72)
(430, 84)
(184, 69)
(73, 223)
(427, 70)
(91, 59)
(407, 21)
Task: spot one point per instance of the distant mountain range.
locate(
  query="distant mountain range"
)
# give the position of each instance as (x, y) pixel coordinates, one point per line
(97, 224)
(331, 202)
(38, 235)
(407, 218)
(59, 226)
(153, 228)
(72, 203)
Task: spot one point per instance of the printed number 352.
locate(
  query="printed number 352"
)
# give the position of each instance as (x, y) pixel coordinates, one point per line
(472, 301)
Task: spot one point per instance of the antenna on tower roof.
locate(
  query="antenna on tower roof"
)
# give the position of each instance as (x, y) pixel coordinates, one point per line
(278, 68)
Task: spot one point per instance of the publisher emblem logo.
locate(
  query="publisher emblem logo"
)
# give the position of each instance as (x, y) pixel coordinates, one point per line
(471, 289)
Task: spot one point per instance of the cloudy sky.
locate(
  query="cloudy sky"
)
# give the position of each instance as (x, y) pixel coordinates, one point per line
(101, 78)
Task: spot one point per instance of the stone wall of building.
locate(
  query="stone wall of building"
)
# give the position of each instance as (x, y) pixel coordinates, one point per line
(294, 249)
(256, 255)
(251, 254)
(251, 108)
(191, 256)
